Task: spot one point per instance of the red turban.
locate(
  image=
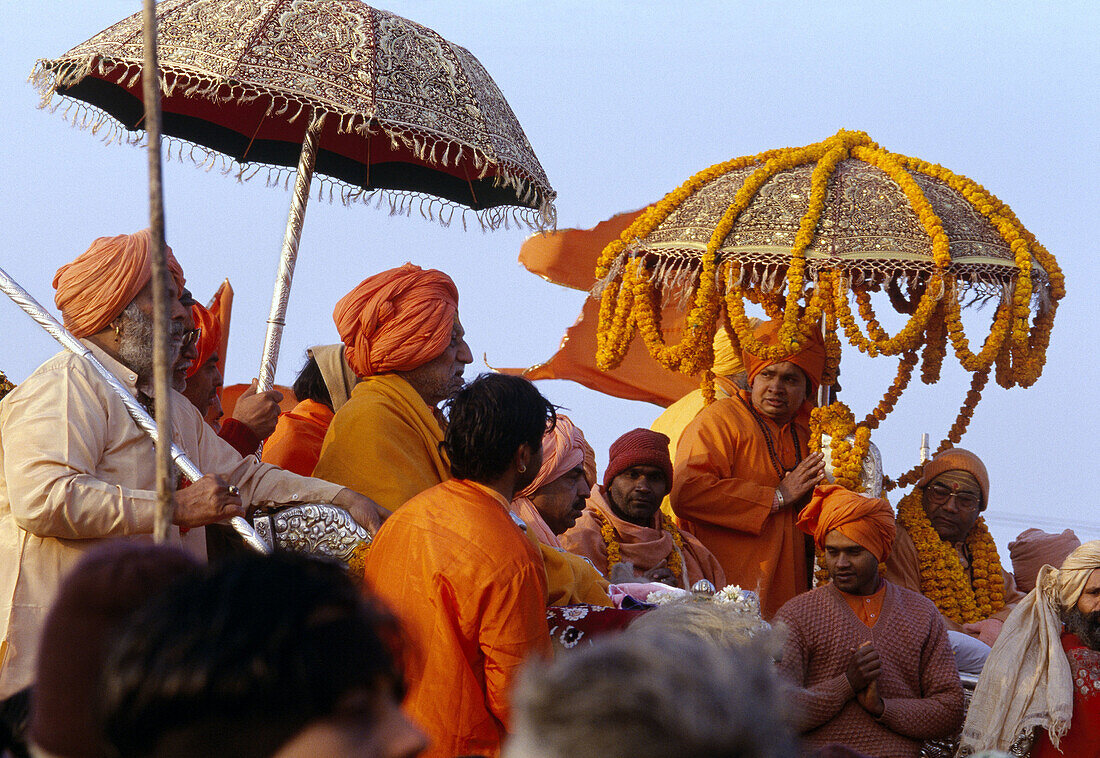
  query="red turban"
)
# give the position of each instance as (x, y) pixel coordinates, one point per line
(563, 449)
(868, 521)
(639, 447)
(811, 358)
(396, 320)
(98, 285)
(210, 336)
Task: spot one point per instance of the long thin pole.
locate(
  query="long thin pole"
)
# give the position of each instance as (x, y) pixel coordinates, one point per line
(276, 320)
(161, 369)
(45, 319)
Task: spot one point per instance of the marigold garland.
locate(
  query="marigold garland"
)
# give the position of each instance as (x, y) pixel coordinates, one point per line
(942, 577)
(631, 293)
(614, 550)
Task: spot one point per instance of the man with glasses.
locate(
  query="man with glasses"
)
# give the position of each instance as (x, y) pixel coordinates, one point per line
(945, 552)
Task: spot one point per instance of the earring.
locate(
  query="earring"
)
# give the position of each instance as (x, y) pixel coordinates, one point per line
(523, 468)
(117, 332)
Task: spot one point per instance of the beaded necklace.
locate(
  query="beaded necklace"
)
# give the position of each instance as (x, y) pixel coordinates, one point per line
(780, 469)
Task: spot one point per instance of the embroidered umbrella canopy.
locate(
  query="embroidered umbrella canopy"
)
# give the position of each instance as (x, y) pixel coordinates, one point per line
(374, 102)
(805, 233)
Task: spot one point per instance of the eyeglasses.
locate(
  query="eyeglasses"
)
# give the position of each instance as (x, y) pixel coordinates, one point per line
(939, 494)
(189, 338)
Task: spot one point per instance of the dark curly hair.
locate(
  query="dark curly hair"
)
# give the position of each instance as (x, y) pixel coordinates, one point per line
(488, 420)
(237, 659)
(310, 385)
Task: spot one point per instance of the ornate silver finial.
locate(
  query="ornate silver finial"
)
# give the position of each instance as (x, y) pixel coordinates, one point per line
(703, 587)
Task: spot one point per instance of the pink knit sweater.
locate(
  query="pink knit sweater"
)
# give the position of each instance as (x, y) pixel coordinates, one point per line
(919, 683)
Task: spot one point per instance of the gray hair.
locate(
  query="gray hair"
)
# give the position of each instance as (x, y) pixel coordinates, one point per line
(651, 695)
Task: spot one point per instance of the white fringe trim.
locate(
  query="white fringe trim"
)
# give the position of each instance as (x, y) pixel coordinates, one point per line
(430, 148)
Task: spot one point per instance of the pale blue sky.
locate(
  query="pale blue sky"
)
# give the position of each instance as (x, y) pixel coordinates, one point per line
(622, 102)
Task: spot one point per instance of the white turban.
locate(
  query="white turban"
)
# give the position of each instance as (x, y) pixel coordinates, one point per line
(1027, 680)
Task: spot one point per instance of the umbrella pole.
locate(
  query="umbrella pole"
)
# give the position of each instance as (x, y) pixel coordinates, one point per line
(141, 417)
(276, 320)
(161, 368)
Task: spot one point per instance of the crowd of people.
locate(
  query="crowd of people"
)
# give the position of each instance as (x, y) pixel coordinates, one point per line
(488, 517)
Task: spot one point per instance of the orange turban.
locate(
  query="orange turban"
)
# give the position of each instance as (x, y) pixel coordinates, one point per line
(210, 336)
(957, 459)
(396, 320)
(811, 358)
(868, 521)
(98, 285)
(563, 449)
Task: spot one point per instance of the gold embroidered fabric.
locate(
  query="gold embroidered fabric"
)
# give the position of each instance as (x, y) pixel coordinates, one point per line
(868, 228)
(393, 90)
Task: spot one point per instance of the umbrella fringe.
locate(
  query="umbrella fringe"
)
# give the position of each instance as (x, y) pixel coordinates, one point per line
(431, 148)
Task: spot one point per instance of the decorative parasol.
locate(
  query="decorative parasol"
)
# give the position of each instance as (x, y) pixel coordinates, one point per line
(379, 105)
(804, 232)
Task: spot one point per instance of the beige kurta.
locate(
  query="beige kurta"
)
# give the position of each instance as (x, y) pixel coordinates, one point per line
(75, 469)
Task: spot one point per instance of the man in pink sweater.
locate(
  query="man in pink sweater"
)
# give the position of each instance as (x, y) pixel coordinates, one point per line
(870, 661)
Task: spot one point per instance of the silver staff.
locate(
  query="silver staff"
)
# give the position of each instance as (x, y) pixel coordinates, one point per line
(43, 318)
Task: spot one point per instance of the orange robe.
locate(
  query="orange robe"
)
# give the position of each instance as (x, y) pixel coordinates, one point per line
(295, 445)
(571, 579)
(903, 569)
(646, 547)
(723, 488)
(471, 594)
(384, 443)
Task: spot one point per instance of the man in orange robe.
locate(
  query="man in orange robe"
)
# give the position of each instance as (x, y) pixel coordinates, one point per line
(550, 505)
(622, 524)
(743, 471)
(254, 414)
(402, 335)
(954, 492)
(467, 584)
(322, 387)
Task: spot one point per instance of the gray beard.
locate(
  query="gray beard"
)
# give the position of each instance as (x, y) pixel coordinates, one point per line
(1085, 626)
(135, 343)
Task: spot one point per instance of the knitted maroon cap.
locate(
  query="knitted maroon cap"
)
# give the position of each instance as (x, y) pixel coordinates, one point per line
(104, 588)
(639, 447)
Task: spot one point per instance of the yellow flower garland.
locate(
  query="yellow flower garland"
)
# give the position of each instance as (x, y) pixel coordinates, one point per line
(614, 550)
(837, 422)
(630, 302)
(942, 577)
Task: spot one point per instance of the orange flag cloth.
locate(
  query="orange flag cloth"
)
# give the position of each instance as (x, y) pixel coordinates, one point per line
(101, 282)
(396, 320)
(210, 336)
(811, 359)
(868, 521)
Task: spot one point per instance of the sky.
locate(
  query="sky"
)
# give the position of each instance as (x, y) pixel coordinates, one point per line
(622, 102)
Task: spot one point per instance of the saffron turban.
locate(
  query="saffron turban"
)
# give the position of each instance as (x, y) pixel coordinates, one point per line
(563, 449)
(957, 459)
(639, 447)
(868, 521)
(811, 358)
(101, 282)
(210, 336)
(396, 320)
(727, 360)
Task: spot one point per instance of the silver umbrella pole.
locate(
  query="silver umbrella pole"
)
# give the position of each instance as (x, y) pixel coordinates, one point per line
(43, 318)
(276, 320)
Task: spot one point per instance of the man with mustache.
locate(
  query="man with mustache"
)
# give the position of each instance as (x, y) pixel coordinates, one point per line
(870, 661)
(945, 552)
(1044, 671)
(744, 470)
(76, 470)
(551, 504)
(622, 530)
(403, 338)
